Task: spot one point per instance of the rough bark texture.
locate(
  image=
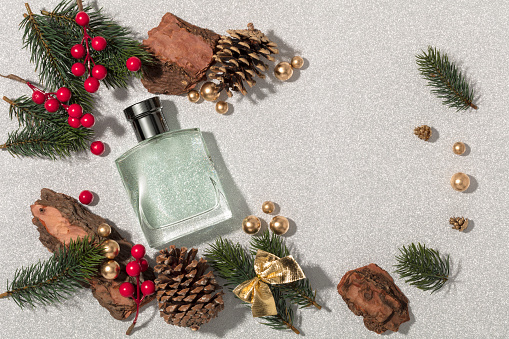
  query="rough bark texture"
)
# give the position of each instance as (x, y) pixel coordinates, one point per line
(184, 54)
(370, 291)
(60, 218)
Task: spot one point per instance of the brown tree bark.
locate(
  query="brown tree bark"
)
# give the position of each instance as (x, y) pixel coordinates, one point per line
(60, 218)
(184, 54)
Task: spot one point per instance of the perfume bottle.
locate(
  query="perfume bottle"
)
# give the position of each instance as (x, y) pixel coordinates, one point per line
(169, 177)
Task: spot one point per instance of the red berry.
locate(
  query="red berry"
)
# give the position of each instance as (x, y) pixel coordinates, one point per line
(78, 51)
(98, 43)
(133, 64)
(97, 148)
(126, 289)
(78, 69)
(87, 120)
(86, 197)
(138, 251)
(75, 111)
(99, 72)
(51, 105)
(82, 18)
(38, 97)
(73, 122)
(91, 85)
(133, 269)
(148, 287)
(143, 265)
(63, 94)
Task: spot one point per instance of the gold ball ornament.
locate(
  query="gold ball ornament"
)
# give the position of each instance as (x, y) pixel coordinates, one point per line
(460, 181)
(459, 148)
(283, 71)
(209, 91)
(110, 269)
(297, 62)
(111, 248)
(268, 207)
(193, 96)
(279, 225)
(251, 224)
(221, 107)
(104, 230)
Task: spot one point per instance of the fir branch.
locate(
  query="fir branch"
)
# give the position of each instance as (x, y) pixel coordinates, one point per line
(284, 318)
(448, 82)
(43, 134)
(300, 291)
(55, 279)
(230, 261)
(423, 267)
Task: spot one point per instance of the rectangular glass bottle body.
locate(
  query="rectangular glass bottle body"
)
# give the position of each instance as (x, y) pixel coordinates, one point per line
(173, 186)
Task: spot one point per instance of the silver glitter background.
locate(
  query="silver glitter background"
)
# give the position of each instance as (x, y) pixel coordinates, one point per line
(334, 147)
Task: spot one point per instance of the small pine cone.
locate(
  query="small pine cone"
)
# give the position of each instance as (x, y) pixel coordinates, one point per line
(423, 132)
(186, 295)
(238, 59)
(459, 223)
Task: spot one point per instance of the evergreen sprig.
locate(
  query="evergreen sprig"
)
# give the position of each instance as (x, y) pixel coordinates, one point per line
(234, 263)
(55, 279)
(446, 79)
(422, 267)
(41, 133)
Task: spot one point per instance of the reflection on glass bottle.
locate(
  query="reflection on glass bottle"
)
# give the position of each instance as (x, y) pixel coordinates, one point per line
(170, 178)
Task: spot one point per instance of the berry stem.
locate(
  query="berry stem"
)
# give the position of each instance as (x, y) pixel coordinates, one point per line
(13, 77)
(138, 301)
(80, 5)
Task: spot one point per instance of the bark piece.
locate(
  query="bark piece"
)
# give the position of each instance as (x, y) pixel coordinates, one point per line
(184, 54)
(370, 291)
(60, 218)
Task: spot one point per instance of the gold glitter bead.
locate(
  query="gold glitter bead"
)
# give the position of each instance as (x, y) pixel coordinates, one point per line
(460, 181)
(111, 248)
(110, 269)
(268, 207)
(193, 96)
(209, 91)
(251, 224)
(459, 148)
(283, 71)
(279, 225)
(297, 62)
(104, 230)
(221, 107)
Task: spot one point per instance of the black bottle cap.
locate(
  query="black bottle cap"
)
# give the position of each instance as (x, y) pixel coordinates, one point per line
(146, 118)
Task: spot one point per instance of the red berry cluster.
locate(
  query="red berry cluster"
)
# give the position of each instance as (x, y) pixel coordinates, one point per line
(53, 101)
(133, 269)
(98, 43)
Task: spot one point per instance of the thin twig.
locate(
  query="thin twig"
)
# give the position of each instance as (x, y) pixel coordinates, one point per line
(80, 5)
(14, 77)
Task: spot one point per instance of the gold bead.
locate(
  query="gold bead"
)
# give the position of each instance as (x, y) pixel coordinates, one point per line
(221, 107)
(251, 224)
(460, 181)
(297, 62)
(193, 96)
(283, 71)
(209, 91)
(104, 230)
(268, 207)
(110, 269)
(111, 248)
(459, 148)
(279, 225)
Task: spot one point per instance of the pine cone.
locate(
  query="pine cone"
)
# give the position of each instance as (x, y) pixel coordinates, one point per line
(185, 294)
(238, 59)
(423, 132)
(459, 223)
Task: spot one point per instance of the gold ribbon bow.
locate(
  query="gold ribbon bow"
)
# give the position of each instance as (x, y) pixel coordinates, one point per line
(269, 270)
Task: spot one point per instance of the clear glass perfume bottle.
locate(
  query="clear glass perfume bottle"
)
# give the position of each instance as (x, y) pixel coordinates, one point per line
(170, 178)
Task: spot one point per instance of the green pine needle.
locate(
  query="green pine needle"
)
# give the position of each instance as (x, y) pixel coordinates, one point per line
(55, 279)
(422, 267)
(447, 81)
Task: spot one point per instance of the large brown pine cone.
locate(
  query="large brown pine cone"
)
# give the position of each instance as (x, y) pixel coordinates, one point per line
(187, 296)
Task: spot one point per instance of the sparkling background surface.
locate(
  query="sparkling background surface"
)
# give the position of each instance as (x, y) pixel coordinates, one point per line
(334, 147)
